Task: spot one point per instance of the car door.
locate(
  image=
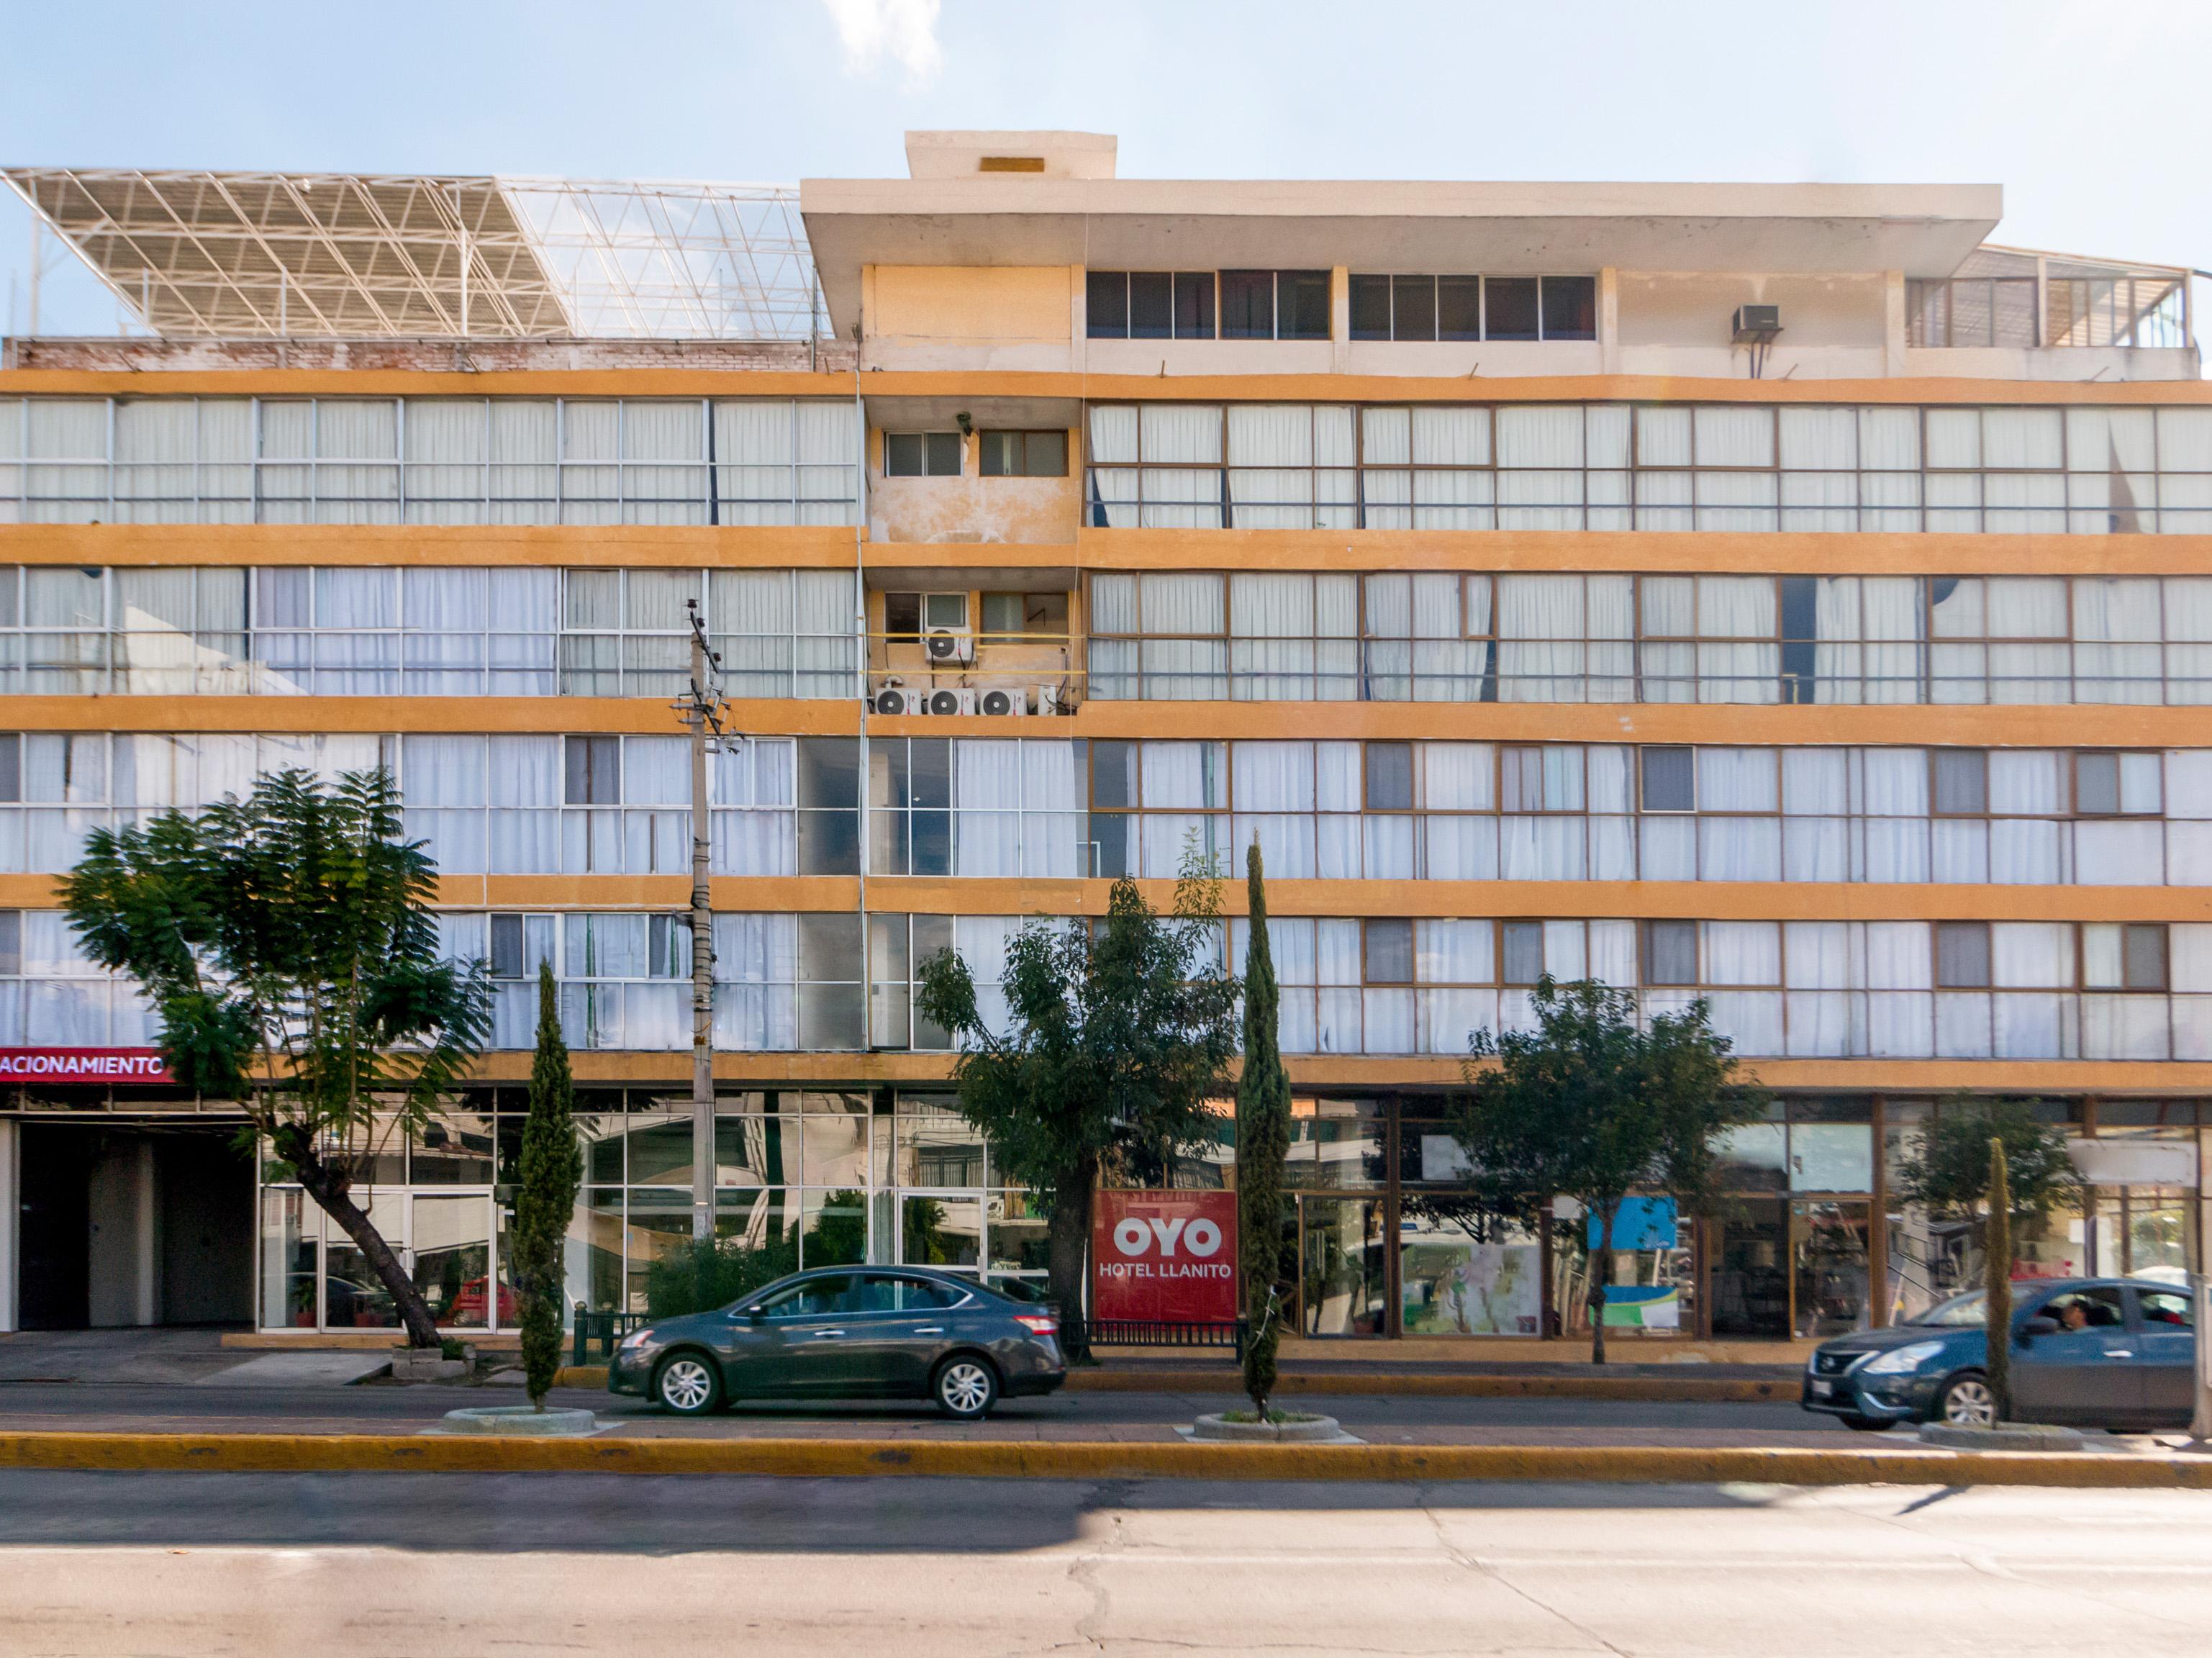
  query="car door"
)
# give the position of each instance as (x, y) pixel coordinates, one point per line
(797, 1343)
(2084, 1371)
(2166, 1354)
(899, 1336)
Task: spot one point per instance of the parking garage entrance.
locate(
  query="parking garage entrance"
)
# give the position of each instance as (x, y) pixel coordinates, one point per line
(120, 1222)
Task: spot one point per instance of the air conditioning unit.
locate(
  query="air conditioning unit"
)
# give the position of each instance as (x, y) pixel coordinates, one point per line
(949, 645)
(893, 697)
(1047, 698)
(1757, 325)
(949, 699)
(1001, 702)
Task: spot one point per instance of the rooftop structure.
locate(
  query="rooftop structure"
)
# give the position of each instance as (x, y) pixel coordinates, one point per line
(197, 255)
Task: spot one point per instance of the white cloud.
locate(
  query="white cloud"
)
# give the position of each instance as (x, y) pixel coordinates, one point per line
(903, 30)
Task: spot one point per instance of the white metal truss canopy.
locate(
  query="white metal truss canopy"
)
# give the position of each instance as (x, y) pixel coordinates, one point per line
(355, 256)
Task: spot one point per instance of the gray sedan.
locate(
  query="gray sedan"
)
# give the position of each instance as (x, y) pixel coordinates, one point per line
(848, 1332)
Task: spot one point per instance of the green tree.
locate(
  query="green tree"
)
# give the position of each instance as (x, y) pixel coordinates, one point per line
(698, 1275)
(1593, 1107)
(1118, 1035)
(545, 1197)
(1949, 1174)
(1263, 1144)
(287, 944)
(1998, 1162)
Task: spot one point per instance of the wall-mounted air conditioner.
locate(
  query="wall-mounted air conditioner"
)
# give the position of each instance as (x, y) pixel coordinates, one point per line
(1000, 702)
(1047, 698)
(893, 697)
(946, 646)
(950, 700)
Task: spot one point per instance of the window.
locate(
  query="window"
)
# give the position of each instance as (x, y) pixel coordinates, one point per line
(1032, 616)
(1023, 454)
(2116, 785)
(593, 771)
(1390, 952)
(1389, 776)
(1274, 305)
(907, 616)
(821, 1297)
(2123, 956)
(2164, 1310)
(1454, 308)
(1962, 954)
(1670, 952)
(1524, 952)
(1149, 305)
(1972, 310)
(1962, 782)
(922, 454)
(1670, 780)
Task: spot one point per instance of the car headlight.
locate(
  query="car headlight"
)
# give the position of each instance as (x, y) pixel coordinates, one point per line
(1900, 1361)
(638, 1338)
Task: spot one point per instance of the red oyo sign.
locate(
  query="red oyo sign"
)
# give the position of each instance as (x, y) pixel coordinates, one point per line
(83, 1065)
(1164, 1256)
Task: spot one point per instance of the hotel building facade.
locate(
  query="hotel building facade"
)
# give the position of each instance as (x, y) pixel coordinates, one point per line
(1780, 594)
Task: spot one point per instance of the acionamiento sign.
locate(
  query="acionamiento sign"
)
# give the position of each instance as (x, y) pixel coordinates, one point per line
(83, 1065)
(1164, 1256)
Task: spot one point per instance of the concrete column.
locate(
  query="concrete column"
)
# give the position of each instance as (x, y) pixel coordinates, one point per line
(1079, 319)
(1892, 332)
(1339, 320)
(11, 1210)
(146, 1195)
(1608, 321)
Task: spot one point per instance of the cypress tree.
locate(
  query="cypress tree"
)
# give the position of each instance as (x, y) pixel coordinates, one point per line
(1263, 1144)
(1997, 1281)
(545, 1200)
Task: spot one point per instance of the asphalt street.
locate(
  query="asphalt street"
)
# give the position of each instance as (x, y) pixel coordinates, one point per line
(339, 1565)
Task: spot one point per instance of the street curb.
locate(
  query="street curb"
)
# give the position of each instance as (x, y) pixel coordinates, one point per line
(825, 1458)
(1681, 1390)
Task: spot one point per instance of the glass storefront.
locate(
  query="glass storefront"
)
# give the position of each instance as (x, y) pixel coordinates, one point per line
(1811, 1240)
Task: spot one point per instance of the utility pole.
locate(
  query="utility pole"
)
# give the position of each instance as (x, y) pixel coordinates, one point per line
(702, 712)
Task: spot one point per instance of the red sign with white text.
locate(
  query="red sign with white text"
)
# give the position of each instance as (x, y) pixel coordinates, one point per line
(83, 1065)
(1168, 1256)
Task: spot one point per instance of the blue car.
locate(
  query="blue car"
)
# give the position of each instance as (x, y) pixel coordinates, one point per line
(848, 1332)
(2091, 1352)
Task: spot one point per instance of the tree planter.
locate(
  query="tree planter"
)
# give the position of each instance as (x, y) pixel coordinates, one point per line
(2005, 1437)
(428, 1364)
(1296, 1428)
(519, 1420)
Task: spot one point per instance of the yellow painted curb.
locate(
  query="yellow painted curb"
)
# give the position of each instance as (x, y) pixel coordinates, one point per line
(581, 1376)
(823, 1459)
(1705, 1389)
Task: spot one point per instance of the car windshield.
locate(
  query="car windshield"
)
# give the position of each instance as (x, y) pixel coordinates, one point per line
(1965, 1309)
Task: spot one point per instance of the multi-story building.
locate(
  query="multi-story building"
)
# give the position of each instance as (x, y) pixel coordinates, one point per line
(1779, 594)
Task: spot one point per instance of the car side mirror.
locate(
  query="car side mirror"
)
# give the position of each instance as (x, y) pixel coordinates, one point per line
(2030, 1328)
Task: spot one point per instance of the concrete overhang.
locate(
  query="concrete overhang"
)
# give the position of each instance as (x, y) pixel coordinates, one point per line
(1508, 229)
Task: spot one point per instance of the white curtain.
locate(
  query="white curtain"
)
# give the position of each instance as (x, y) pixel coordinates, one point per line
(1460, 848)
(526, 782)
(656, 771)
(1181, 480)
(986, 792)
(1271, 455)
(1540, 629)
(1740, 609)
(1183, 775)
(1271, 658)
(1613, 953)
(1461, 777)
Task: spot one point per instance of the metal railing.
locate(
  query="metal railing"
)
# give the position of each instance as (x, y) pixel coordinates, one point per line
(1158, 1333)
(599, 1332)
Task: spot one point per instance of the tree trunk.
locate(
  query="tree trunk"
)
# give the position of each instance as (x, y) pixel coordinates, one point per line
(332, 1193)
(1598, 1256)
(1068, 1241)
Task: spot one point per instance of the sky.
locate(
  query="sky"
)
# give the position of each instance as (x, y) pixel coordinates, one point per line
(2090, 115)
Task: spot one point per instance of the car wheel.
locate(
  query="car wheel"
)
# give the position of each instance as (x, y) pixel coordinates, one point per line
(1967, 1402)
(1865, 1424)
(965, 1386)
(687, 1384)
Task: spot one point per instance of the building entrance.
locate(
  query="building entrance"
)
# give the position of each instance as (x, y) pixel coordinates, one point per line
(123, 1224)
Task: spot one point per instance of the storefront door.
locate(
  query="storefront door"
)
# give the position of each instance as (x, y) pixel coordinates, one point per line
(1751, 1273)
(1343, 1272)
(1829, 1267)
